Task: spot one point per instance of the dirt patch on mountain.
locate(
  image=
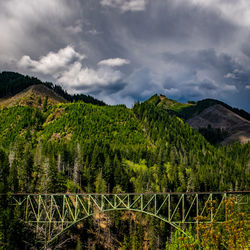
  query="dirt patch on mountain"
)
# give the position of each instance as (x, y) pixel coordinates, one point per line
(217, 116)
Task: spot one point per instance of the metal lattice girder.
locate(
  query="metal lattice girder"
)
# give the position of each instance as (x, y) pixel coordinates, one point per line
(58, 212)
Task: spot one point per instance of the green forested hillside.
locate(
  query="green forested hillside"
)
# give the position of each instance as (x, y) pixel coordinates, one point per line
(92, 137)
(83, 147)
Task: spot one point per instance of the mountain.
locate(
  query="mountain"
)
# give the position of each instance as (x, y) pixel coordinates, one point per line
(11, 83)
(89, 139)
(82, 147)
(217, 116)
(34, 96)
(217, 121)
(170, 105)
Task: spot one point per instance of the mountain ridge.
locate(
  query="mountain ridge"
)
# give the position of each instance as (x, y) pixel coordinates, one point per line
(38, 93)
(191, 108)
(219, 117)
(11, 83)
(34, 96)
(210, 117)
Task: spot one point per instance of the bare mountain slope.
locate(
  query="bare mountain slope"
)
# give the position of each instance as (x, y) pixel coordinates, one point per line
(33, 96)
(218, 116)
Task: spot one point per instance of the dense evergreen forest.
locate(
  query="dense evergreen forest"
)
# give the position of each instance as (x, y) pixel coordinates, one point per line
(82, 147)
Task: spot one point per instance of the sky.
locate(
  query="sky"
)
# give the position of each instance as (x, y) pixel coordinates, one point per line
(123, 51)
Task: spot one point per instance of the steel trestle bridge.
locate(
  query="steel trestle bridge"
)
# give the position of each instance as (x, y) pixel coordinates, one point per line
(53, 214)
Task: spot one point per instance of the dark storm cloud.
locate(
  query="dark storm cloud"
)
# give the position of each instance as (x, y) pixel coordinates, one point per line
(178, 23)
(184, 48)
(144, 85)
(208, 86)
(245, 48)
(106, 90)
(35, 26)
(219, 67)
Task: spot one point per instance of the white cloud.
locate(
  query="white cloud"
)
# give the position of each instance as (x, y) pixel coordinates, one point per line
(53, 62)
(230, 75)
(114, 62)
(66, 68)
(228, 87)
(94, 32)
(247, 86)
(81, 77)
(76, 28)
(235, 11)
(125, 5)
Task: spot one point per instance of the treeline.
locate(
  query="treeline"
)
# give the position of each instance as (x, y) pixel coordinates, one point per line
(79, 147)
(12, 83)
(76, 97)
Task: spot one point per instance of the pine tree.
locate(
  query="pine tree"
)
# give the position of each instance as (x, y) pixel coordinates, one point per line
(100, 184)
(45, 104)
(77, 165)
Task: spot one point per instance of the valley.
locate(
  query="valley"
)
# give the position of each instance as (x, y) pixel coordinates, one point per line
(52, 143)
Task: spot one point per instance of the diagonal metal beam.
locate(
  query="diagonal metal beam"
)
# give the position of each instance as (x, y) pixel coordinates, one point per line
(68, 209)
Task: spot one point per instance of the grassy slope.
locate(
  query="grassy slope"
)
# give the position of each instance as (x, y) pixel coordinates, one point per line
(31, 96)
(169, 104)
(185, 110)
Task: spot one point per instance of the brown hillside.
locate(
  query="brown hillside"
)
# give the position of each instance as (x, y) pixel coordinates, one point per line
(31, 96)
(220, 117)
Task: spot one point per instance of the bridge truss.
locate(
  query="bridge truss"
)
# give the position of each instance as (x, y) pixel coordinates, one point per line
(58, 212)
